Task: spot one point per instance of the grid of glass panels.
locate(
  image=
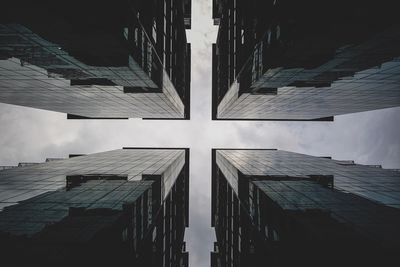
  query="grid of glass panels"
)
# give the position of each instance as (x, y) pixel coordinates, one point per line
(322, 214)
(31, 216)
(287, 67)
(374, 183)
(44, 68)
(374, 88)
(22, 183)
(228, 222)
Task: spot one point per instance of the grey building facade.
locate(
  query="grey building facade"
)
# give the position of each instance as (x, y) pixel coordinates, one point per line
(126, 207)
(304, 60)
(97, 59)
(279, 208)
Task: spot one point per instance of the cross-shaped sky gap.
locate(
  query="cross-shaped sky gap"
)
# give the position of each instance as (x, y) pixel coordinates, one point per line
(32, 135)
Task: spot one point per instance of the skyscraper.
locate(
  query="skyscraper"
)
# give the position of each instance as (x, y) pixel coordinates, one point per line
(126, 207)
(97, 59)
(304, 60)
(278, 208)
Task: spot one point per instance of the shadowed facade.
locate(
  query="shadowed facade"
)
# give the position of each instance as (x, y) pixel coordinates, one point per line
(278, 208)
(125, 207)
(304, 60)
(96, 59)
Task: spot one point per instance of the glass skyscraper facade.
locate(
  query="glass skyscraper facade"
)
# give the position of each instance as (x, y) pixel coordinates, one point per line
(96, 59)
(304, 60)
(283, 209)
(122, 207)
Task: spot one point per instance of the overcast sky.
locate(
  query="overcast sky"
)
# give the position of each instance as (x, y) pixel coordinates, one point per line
(30, 135)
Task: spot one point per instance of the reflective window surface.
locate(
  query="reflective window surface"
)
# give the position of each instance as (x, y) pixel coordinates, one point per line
(344, 207)
(267, 204)
(34, 214)
(21, 183)
(18, 81)
(371, 89)
(127, 206)
(76, 62)
(372, 182)
(273, 62)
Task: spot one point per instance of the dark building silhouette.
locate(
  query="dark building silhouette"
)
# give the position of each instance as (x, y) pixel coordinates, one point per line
(97, 59)
(278, 208)
(126, 207)
(304, 60)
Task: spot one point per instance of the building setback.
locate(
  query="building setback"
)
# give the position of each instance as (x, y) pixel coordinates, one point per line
(126, 207)
(278, 208)
(304, 60)
(97, 59)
